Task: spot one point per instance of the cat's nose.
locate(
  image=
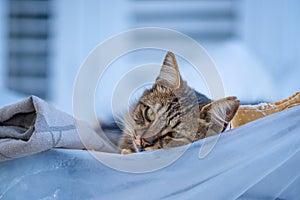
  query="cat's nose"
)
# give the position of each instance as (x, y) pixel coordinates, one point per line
(148, 141)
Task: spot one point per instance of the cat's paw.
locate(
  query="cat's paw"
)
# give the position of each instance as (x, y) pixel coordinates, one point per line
(126, 151)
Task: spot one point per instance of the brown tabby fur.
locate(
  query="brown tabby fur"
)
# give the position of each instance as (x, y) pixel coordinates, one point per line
(172, 114)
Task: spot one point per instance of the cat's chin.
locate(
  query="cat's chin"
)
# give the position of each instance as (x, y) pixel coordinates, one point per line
(126, 151)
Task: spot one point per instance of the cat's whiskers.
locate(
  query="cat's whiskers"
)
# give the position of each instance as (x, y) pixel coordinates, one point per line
(125, 125)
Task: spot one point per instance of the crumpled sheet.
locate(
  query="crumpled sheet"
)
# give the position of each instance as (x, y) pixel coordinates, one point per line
(259, 160)
(32, 126)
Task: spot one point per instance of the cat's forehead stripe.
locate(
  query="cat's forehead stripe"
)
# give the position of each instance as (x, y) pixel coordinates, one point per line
(143, 102)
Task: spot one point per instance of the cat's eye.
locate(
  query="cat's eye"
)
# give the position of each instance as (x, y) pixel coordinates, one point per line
(149, 114)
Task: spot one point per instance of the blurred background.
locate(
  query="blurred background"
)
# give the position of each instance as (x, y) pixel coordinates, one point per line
(255, 44)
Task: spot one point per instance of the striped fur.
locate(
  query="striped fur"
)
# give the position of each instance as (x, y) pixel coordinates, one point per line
(179, 114)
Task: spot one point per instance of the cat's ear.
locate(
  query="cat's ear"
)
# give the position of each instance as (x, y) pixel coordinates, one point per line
(169, 75)
(219, 113)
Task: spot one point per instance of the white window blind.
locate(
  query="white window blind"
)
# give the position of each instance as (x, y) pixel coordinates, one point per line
(203, 20)
(28, 46)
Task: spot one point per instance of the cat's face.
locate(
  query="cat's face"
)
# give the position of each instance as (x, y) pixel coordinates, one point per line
(170, 114)
(161, 120)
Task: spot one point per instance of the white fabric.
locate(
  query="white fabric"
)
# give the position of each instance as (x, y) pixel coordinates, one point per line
(259, 160)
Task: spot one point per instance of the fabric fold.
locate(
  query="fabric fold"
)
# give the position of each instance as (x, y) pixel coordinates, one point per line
(32, 126)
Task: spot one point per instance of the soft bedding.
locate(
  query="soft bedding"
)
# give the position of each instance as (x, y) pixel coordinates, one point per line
(259, 160)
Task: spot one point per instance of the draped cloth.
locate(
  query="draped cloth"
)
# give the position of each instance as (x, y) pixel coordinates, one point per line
(33, 125)
(259, 160)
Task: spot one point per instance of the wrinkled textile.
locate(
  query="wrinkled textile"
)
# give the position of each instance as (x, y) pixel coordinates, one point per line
(33, 126)
(259, 160)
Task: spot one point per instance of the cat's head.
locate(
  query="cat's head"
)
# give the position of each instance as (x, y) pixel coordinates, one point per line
(172, 114)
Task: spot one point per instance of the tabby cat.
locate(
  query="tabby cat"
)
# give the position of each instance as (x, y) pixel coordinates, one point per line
(172, 114)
